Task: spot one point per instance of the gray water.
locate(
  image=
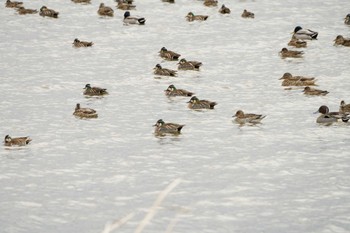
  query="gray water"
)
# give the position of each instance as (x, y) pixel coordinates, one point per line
(287, 174)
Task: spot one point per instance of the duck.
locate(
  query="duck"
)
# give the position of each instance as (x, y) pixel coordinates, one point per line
(13, 4)
(158, 70)
(330, 117)
(94, 90)
(304, 34)
(224, 10)
(167, 128)
(191, 17)
(173, 91)
(168, 55)
(344, 108)
(290, 53)
(84, 112)
(195, 103)
(82, 1)
(297, 43)
(290, 80)
(313, 91)
(122, 5)
(189, 65)
(77, 43)
(242, 118)
(105, 10)
(210, 3)
(22, 11)
(20, 141)
(132, 19)
(347, 19)
(340, 40)
(247, 14)
(44, 11)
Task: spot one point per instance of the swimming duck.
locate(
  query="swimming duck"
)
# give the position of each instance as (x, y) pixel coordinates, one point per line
(84, 112)
(125, 5)
(313, 91)
(189, 65)
(191, 17)
(44, 11)
(340, 40)
(22, 11)
(344, 108)
(105, 10)
(247, 14)
(82, 1)
(77, 43)
(252, 118)
(13, 4)
(158, 70)
(20, 141)
(290, 53)
(132, 19)
(173, 91)
(94, 90)
(167, 128)
(304, 34)
(210, 3)
(224, 10)
(290, 80)
(168, 55)
(195, 103)
(297, 43)
(347, 19)
(330, 117)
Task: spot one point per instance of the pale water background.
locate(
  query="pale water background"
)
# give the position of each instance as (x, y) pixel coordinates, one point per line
(286, 175)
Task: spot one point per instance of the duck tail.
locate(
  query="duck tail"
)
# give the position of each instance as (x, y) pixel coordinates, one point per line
(141, 20)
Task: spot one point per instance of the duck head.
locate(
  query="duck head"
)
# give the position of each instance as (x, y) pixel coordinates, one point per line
(157, 67)
(163, 49)
(159, 123)
(77, 107)
(286, 76)
(297, 28)
(239, 113)
(126, 14)
(193, 100)
(7, 138)
(182, 61)
(171, 88)
(323, 109)
(87, 86)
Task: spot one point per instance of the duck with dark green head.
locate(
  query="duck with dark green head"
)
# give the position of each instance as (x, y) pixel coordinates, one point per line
(195, 103)
(167, 128)
(94, 90)
(168, 55)
(159, 70)
(20, 141)
(173, 91)
(128, 19)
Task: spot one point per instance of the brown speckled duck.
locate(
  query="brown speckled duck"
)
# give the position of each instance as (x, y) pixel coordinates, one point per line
(77, 43)
(158, 70)
(252, 118)
(167, 128)
(224, 9)
(20, 141)
(290, 80)
(290, 53)
(340, 40)
(105, 10)
(195, 103)
(13, 4)
(84, 112)
(192, 17)
(247, 14)
(347, 19)
(94, 91)
(173, 91)
(22, 11)
(189, 65)
(124, 5)
(297, 43)
(344, 108)
(210, 3)
(44, 11)
(82, 1)
(168, 55)
(313, 91)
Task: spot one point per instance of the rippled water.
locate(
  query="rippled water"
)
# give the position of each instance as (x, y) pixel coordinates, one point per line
(288, 174)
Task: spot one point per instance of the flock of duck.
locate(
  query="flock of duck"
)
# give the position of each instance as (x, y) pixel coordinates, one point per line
(298, 40)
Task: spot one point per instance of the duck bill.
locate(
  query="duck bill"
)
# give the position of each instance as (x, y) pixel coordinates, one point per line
(315, 112)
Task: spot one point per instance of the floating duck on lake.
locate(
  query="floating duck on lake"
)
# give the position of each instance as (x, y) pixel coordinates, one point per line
(313, 91)
(189, 65)
(44, 11)
(330, 117)
(242, 118)
(195, 103)
(105, 10)
(224, 9)
(84, 112)
(340, 40)
(173, 91)
(128, 19)
(77, 43)
(158, 70)
(97, 91)
(168, 55)
(291, 53)
(247, 14)
(192, 17)
(304, 34)
(20, 141)
(167, 128)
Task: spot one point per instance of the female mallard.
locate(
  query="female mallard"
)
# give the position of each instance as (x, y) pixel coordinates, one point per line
(340, 40)
(94, 90)
(20, 141)
(105, 10)
(330, 117)
(189, 65)
(168, 55)
(82, 1)
(123, 5)
(247, 14)
(304, 34)
(173, 91)
(290, 80)
(84, 112)
(210, 3)
(13, 4)
(128, 19)
(158, 70)
(344, 108)
(252, 118)
(290, 53)
(44, 11)
(347, 19)
(22, 11)
(313, 91)
(191, 17)
(195, 103)
(224, 10)
(77, 43)
(167, 128)
(297, 43)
